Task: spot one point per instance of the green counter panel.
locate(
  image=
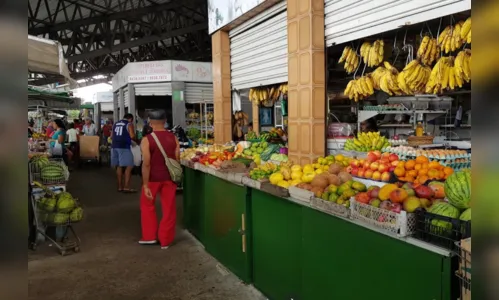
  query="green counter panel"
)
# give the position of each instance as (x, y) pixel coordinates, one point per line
(193, 202)
(277, 246)
(344, 261)
(225, 211)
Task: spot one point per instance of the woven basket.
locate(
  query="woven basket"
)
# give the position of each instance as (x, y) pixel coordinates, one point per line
(414, 141)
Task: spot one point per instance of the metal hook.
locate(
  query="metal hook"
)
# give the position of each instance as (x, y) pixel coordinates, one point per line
(429, 29)
(439, 28)
(358, 67)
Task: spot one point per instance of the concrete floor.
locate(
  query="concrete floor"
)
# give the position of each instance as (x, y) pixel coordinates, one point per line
(111, 265)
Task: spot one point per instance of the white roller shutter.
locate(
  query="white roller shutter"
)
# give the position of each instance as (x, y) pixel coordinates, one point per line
(198, 92)
(348, 20)
(153, 89)
(126, 97)
(259, 49)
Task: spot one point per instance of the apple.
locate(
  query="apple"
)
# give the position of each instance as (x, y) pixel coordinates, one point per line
(395, 163)
(368, 174)
(366, 165)
(371, 157)
(382, 168)
(385, 177)
(376, 175)
(354, 163)
(377, 153)
(385, 155)
(393, 157)
(374, 166)
(354, 171)
(391, 169)
(361, 162)
(374, 192)
(361, 173)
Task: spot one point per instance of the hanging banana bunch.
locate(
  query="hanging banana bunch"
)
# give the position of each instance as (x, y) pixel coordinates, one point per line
(242, 117)
(385, 79)
(428, 51)
(350, 58)
(462, 66)
(258, 95)
(359, 88)
(449, 73)
(283, 88)
(413, 78)
(450, 39)
(466, 31)
(372, 54)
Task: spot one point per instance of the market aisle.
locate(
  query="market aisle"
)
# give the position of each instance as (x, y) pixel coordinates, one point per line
(112, 266)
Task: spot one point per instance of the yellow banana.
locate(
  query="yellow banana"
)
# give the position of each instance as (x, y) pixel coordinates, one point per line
(423, 47)
(466, 29)
(344, 55)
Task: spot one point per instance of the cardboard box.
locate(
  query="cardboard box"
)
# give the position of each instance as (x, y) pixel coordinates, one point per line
(465, 269)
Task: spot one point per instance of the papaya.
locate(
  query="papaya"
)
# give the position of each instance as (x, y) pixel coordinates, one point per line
(385, 191)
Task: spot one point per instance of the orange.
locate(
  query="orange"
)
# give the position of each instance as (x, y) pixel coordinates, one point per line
(426, 165)
(441, 175)
(409, 165)
(448, 170)
(434, 165)
(400, 172)
(418, 167)
(421, 159)
(412, 173)
(422, 179)
(423, 172)
(401, 164)
(433, 173)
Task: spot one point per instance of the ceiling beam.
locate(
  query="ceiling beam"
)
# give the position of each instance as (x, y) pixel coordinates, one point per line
(136, 43)
(127, 14)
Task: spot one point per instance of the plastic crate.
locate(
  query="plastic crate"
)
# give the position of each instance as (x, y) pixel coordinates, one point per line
(464, 271)
(446, 237)
(400, 224)
(330, 207)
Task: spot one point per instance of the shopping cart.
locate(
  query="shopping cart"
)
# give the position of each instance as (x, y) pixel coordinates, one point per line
(464, 271)
(50, 171)
(54, 226)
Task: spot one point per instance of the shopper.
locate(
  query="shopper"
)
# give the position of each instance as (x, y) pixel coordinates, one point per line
(122, 135)
(50, 129)
(58, 141)
(156, 180)
(369, 125)
(106, 132)
(72, 135)
(89, 129)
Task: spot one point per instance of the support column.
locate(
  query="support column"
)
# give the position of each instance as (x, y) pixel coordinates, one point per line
(132, 103)
(121, 103)
(115, 106)
(222, 104)
(307, 86)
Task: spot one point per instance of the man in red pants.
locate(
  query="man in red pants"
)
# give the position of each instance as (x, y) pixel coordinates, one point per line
(156, 180)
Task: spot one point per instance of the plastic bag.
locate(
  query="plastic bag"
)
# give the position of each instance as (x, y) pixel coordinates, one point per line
(137, 155)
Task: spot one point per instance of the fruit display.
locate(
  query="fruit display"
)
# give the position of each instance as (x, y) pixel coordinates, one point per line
(413, 78)
(58, 209)
(456, 159)
(350, 58)
(359, 88)
(367, 141)
(251, 135)
(428, 50)
(385, 78)
(53, 172)
(263, 171)
(421, 169)
(466, 31)
(372, 54)
(451, 38)
(444, 209)
(264, 94)
(376, 167)
(39, 136)
(449, 73)
(38, 161)
(214, 159)
(193, 115)
(458, 189)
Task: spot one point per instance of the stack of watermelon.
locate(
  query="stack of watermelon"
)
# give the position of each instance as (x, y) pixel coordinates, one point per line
(458, 194)
(60, 209)
(53, 172)
(39, 161)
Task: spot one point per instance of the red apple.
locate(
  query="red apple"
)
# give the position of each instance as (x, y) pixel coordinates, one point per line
(361, 162)
(349, 169)
(376, 175)
(393, 157)
(374, 166)
(354, 163)
(385, 176)
(371, 157)
(366, 165)
(382, 168)
(377, 153)
(385, 155)
(355, 172)
(395, 163)
(384, 161)
(368, 173)
(391, 169)
(361, 173)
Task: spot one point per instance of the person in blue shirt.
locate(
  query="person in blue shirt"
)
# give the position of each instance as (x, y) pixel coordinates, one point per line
(122, 135)
(59, 137)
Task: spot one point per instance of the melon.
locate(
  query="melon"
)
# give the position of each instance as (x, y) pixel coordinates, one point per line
(65, 202)
(76, 215)
(458, 189)
(466, 215)
(446, 210)
(58, 218)
(52, 172)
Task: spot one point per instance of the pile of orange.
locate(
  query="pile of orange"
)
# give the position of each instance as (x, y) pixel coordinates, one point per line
(421, 169)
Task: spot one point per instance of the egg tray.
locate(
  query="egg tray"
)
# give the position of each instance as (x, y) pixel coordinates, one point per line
(383, 108)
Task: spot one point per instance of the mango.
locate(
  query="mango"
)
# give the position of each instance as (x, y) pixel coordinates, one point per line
(385, 191)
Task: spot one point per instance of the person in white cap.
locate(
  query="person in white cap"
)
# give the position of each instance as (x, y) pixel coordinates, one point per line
(89, 129)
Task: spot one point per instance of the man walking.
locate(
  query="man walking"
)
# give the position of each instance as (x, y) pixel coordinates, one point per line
(156, 180)
(122, 135)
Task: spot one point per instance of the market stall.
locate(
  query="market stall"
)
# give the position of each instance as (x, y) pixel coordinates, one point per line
(168, 85)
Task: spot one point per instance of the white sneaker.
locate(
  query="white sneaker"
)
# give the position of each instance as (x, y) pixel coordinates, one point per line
(165, 247)
(142, 242)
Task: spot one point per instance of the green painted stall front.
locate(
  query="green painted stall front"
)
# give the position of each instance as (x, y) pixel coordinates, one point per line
(301, 253)
(193, 202)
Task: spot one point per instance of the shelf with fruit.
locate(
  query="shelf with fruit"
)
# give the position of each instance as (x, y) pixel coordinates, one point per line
(456, 159)
(367, 141)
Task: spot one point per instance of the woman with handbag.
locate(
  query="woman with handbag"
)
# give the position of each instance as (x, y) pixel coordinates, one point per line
(58, 140)
(161, 172)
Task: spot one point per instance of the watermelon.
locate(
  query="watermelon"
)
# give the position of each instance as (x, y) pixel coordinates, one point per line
(52, 172)
(446, 210)
(76, 215)
(458, 189)
(466, 215)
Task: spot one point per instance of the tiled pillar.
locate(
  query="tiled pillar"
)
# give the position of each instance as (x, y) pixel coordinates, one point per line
(306, 96)
(222, 104)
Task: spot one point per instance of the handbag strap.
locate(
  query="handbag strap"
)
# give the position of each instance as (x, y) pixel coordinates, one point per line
(167, 159)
